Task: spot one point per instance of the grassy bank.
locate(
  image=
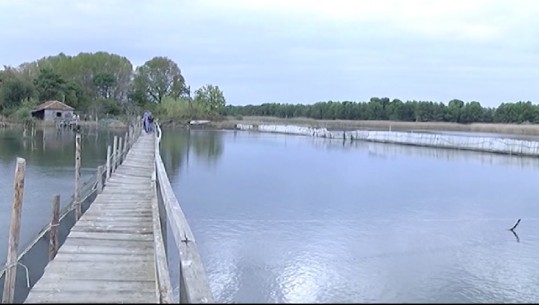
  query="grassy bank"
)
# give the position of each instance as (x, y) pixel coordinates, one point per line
(516, 129)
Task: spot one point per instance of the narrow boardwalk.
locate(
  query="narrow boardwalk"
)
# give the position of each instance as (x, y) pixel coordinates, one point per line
(108, 256)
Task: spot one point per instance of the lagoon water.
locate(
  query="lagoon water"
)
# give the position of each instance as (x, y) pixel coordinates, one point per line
(298, 219)
(281, 218)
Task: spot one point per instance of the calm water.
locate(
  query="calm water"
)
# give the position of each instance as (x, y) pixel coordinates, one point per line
(50, 170)
(296, 219)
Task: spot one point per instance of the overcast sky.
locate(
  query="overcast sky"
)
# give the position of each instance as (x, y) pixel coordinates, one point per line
(301, 51)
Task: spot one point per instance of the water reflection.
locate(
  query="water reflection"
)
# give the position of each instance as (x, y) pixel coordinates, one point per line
(178, 145)
(516, 235)
(387, 150)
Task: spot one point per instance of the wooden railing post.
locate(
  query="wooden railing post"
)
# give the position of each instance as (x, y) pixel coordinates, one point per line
(114, 151)
(53, 233)
(120, 150)
(108, 161)
(126, 144)
(78, 211)
(14, 231)
(99, 178)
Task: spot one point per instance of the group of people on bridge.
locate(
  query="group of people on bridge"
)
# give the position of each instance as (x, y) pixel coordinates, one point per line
(147, 120)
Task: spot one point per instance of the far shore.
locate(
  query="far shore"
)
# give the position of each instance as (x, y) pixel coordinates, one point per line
(514, 129)
(230, 123)
(105, 123)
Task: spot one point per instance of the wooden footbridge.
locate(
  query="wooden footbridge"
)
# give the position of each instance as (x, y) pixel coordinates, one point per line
(116, 251)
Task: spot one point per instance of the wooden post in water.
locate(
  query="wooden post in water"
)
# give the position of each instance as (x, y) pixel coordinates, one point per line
(126, 144)
(78, 211)
(108, 162)
(99, 179)
(53, 233)
(120, 156)
(14, 231)
(114, 153)
(128, 137)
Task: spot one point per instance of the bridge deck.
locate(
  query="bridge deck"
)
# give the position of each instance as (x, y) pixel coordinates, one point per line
(109, 255)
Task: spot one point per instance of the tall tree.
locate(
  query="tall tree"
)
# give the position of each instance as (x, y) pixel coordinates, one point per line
(104, 82)
(50, 85)
(14, 89)
(211, 97)
(157, 78)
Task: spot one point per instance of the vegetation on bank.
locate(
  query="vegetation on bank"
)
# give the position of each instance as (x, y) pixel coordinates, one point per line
(101, 85)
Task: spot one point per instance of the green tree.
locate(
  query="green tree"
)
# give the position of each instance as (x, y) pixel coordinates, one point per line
(50, 85)
(472, 112)
(454, 108)
(157, 78)
(211, 97)
(13, 90)
(104, 83)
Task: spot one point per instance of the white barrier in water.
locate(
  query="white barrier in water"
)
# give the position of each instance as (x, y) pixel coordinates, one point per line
(487, 144)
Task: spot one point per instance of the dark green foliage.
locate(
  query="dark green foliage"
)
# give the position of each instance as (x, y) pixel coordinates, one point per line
(382, 109)
(14, 90)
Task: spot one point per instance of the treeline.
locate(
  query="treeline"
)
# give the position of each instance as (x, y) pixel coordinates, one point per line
(102, 83)
(385, 109)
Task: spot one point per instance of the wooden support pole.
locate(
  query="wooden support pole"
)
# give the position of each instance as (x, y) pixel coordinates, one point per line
(99, 178)
(114, 150)
(120, 156)
(126, 144)
(108, 162)
(53, 233)
(78, 212)
(14, 231)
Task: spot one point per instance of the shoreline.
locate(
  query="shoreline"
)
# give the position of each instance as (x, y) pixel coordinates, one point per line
(345, 125)
(487, 144)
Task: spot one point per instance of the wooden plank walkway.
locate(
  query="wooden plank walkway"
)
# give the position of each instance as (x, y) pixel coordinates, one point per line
(108, 257)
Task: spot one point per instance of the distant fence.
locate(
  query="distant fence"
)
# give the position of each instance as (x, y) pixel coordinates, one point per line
(29, 265)
(485, 144)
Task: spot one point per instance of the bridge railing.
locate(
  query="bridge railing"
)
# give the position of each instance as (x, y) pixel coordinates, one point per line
(193, 282)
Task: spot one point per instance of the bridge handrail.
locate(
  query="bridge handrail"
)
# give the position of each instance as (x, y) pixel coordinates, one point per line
(194, 285)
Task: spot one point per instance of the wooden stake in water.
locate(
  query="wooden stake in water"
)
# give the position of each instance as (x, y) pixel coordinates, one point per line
(78, 211)
(14, 231)
(114, 153)
(53, 233)
(108, 161)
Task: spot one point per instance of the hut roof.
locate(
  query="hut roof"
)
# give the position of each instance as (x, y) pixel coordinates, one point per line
(52, 105)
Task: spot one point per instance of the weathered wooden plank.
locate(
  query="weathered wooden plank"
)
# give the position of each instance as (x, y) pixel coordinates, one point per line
(105, 286)
(65, 273)
(110, 236)
(138, 249)
(109, 242)
(92, 297)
